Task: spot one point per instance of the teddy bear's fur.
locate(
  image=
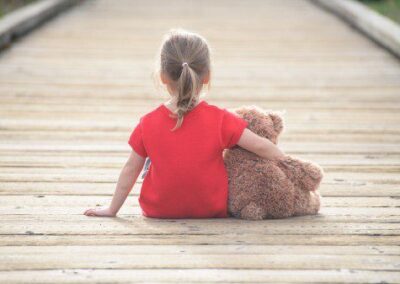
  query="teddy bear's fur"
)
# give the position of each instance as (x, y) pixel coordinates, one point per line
(264, 189)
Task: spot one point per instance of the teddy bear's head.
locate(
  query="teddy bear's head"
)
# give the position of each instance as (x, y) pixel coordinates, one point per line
(268, 124)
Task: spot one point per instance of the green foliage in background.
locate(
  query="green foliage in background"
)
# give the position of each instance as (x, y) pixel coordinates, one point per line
(388, 8)
(7, 6)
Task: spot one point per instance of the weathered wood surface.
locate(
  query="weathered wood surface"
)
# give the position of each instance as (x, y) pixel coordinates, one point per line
(71, 92)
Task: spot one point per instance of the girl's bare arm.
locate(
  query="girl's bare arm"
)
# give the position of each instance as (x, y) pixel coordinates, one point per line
(127, 179)
(261, 146)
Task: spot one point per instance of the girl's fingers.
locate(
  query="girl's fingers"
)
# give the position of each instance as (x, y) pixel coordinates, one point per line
(96, 212)
(89, 212)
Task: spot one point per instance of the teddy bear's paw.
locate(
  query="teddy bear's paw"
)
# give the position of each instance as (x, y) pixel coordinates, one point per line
(307, 203)
(313, 176)
(305, 174)
(252, 212)
(315, 202)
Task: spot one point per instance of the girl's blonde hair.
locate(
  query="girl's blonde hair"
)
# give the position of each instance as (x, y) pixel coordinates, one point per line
(180, 46)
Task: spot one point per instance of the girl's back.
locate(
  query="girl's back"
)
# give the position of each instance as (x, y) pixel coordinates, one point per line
(187, 177)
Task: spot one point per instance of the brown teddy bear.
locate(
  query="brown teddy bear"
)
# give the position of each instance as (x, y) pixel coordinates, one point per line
(265, 189)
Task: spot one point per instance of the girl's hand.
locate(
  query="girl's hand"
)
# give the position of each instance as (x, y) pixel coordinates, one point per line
(101, 212)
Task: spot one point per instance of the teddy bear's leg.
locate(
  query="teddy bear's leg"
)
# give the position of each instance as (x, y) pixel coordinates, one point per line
(252, 212)
(307, 202)
(277, 193)
(305, 175)
(280, 199)
(236, 201)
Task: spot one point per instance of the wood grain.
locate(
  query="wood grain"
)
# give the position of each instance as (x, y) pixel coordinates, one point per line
(72, 91)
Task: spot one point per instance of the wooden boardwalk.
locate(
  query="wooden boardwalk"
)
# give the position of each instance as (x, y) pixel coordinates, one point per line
(72, 91)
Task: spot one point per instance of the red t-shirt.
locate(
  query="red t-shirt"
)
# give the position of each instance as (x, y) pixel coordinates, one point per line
(187, 176)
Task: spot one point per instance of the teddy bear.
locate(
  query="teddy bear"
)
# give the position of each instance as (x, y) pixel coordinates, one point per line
(269, 189)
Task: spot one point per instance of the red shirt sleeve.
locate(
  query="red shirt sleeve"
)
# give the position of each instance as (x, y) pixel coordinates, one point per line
(136, 140)
(232, 127)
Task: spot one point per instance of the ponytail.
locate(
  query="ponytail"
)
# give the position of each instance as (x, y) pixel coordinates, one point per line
(185, 59)
(188, 85)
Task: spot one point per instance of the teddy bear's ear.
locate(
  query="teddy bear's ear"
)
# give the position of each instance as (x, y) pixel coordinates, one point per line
(277, 119)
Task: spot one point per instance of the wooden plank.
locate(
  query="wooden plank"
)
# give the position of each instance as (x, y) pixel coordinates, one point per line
(110, 260)
(131, 225)
(128, 257)
(199, 275)
(200, 250)
(116, 239)
(326, 215)
(104, 105)
(83, 103)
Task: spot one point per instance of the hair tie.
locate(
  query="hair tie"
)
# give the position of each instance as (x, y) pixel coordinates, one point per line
(184, 63)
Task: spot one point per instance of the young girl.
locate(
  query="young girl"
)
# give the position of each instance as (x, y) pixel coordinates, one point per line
(184, 139)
